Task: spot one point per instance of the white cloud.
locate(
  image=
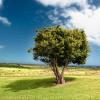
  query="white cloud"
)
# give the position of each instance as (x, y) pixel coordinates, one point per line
(63, 3)
(1, 3)
(4, 20)
(1, 46)
(88, 18)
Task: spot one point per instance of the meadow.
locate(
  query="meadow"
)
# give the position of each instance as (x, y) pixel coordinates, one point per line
(38, 83)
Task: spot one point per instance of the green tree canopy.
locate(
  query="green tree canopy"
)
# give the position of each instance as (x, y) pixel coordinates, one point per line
(59, 47)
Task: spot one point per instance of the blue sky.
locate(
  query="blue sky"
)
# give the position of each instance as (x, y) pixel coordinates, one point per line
(19, 20)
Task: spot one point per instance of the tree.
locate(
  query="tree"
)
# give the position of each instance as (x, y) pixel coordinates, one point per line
(59, 47)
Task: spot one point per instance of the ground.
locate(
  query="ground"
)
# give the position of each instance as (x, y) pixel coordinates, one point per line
(39, 84)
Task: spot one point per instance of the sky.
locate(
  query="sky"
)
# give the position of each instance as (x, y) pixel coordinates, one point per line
(19, 20)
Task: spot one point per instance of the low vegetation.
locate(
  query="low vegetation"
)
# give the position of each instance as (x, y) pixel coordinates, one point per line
(31, 83)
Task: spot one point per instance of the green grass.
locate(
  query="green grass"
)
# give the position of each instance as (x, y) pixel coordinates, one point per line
(39, 84)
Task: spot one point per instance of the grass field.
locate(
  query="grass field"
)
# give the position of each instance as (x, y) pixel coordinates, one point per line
(38, 84)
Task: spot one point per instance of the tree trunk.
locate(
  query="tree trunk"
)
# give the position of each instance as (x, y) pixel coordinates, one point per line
(59, 76)
(60, 79)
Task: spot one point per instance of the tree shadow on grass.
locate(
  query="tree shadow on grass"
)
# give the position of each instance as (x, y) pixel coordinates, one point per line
(27, 84)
